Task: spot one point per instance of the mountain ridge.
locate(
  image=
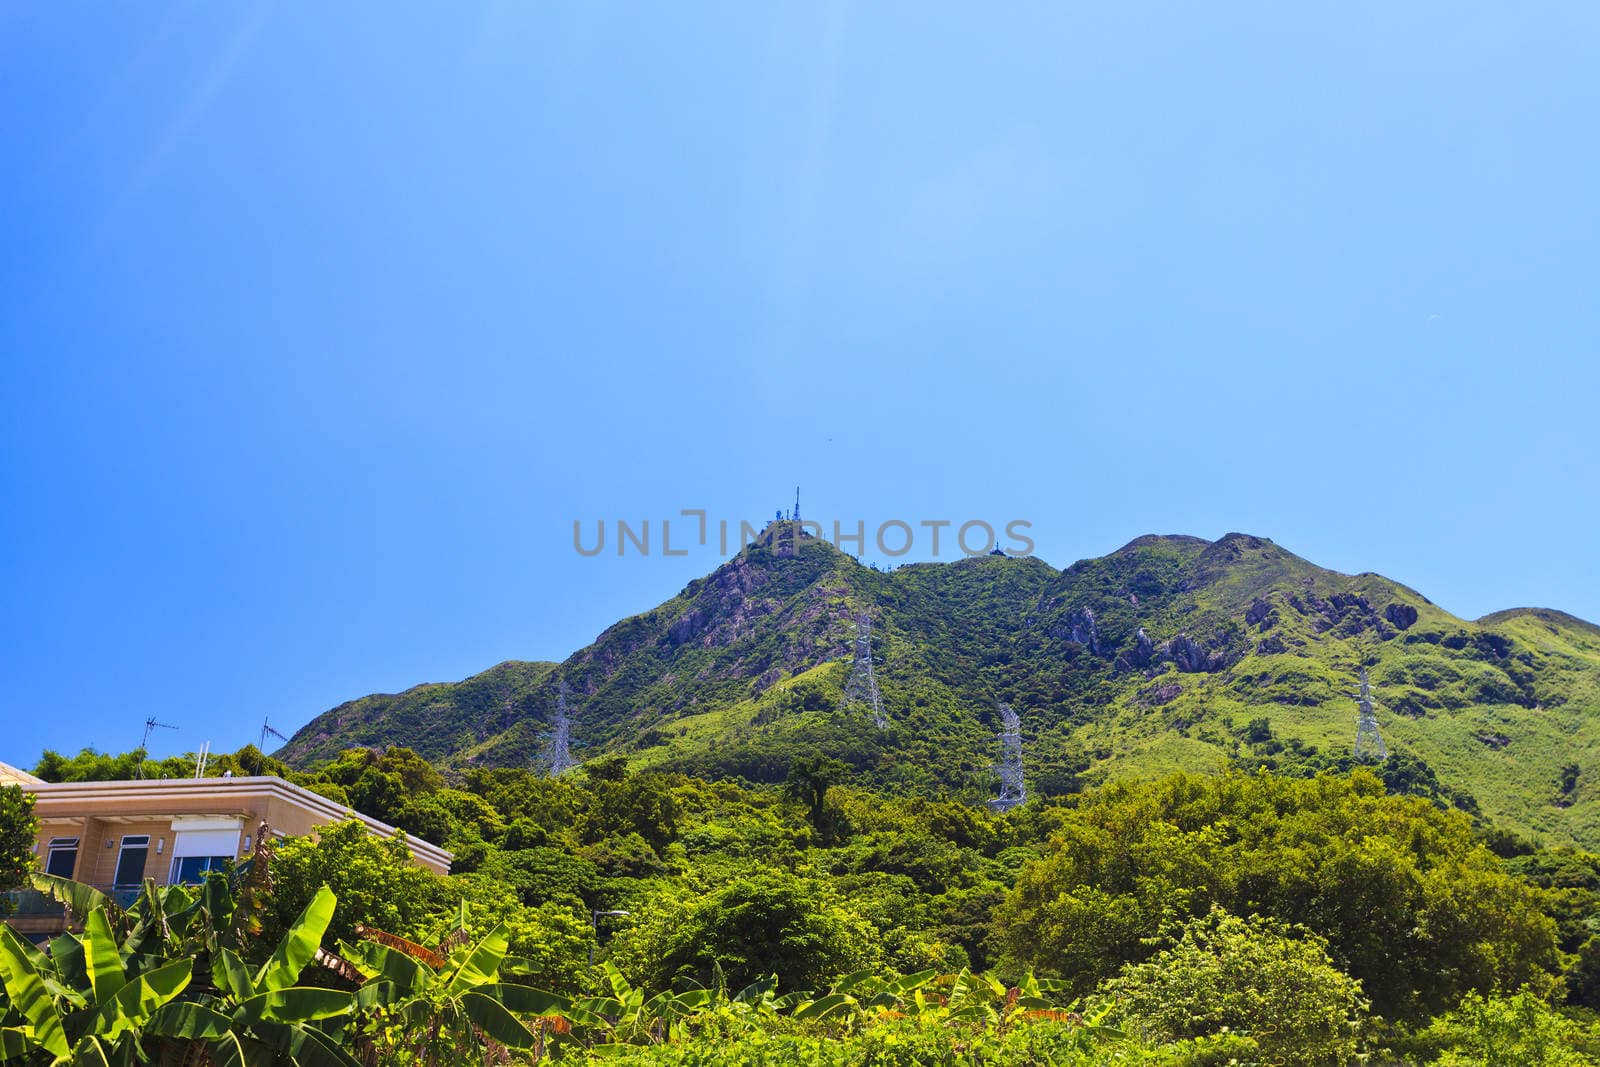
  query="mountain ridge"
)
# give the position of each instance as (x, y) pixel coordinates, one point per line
(1152, 657)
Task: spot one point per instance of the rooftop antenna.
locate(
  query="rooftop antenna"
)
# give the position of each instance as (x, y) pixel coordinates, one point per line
(862, 688)
(266, 732)
(150, 725)
(1012, 790)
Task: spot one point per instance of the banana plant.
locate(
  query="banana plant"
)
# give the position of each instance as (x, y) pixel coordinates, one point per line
(437, 1006)
(113, 997)
(630, 1016)
(88, 1009)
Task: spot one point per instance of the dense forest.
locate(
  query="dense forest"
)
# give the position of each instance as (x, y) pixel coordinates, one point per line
(1309, 917)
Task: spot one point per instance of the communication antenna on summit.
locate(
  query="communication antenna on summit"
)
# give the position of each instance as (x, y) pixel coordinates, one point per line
(797, 503)
(559, 757)
(1012, 790)
(862, 688)
(150, 726)
(1369, 742)
(266, 732)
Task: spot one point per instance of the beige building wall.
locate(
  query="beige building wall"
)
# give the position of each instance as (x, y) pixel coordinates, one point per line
(102, 814)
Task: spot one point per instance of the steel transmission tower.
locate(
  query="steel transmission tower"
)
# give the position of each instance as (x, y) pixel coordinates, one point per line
(862, 688)
(1012, 790)
(1369, 743)
(558, 757)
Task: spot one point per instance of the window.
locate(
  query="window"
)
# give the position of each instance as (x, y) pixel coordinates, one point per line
(63, 857)
(191, 870)
(130, 861)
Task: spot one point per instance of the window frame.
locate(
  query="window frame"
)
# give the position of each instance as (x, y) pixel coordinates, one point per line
(122, 849)
(60, 844)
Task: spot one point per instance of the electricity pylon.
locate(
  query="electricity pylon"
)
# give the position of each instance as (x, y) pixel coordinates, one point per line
(862, 688)
(1012, 790)
(1369, 742)
(558, 756)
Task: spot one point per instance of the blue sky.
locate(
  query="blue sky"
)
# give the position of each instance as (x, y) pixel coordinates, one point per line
(317, 330)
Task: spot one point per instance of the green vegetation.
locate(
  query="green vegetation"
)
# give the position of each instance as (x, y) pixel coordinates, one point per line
(1165, 655)
(18, 830)
(1223, 973)
(1204, 874)
(1248, 917)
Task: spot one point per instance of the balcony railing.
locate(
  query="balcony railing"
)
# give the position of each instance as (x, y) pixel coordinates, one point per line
(31, 903)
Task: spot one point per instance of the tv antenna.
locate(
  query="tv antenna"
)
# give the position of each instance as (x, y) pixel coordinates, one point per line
(268, 731)
(150, 726)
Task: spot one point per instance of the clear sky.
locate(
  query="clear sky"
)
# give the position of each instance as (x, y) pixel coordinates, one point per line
(319, 328)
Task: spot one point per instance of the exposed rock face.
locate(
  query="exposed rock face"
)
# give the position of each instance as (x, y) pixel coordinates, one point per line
(1272, 646)
(1260, 615)
(1191, 657)
(1083, 630)
(1493, 645)
(1402, 616)
(1140, 655)
(686, 627)
(1344, 614)
(1153, 696)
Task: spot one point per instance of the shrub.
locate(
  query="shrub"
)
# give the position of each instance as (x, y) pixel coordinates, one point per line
(1222, 973)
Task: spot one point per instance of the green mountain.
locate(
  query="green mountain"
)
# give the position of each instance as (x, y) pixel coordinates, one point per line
(1172, 652)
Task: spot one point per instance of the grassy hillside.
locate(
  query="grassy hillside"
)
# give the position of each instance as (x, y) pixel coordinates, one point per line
(1170, 653)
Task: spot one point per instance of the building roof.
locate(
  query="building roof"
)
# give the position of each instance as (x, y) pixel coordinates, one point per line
(151, 793)
(10, 775)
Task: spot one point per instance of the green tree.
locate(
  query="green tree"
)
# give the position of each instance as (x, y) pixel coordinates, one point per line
(810, 778)
(759, 925)
(1516, 1031)
(1408, 899)
(1222, 973)
(376, 882)
(18, 832)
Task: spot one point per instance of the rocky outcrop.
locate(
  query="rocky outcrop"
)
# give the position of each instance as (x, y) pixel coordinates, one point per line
(1083, 630)
(1153, 696)
(1260, 615)
(1402, 616)
(1191, 657)
(1141, 655)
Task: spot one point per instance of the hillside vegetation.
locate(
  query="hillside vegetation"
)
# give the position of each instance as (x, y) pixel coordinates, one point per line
(1188, 919)
(1172, 653)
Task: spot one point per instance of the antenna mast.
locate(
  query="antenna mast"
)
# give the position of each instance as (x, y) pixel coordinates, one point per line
(268, 731)
(797, 503)
(150, 725)
(1369, 743)
(862, 688)
(1012, 790)
(558, 756)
